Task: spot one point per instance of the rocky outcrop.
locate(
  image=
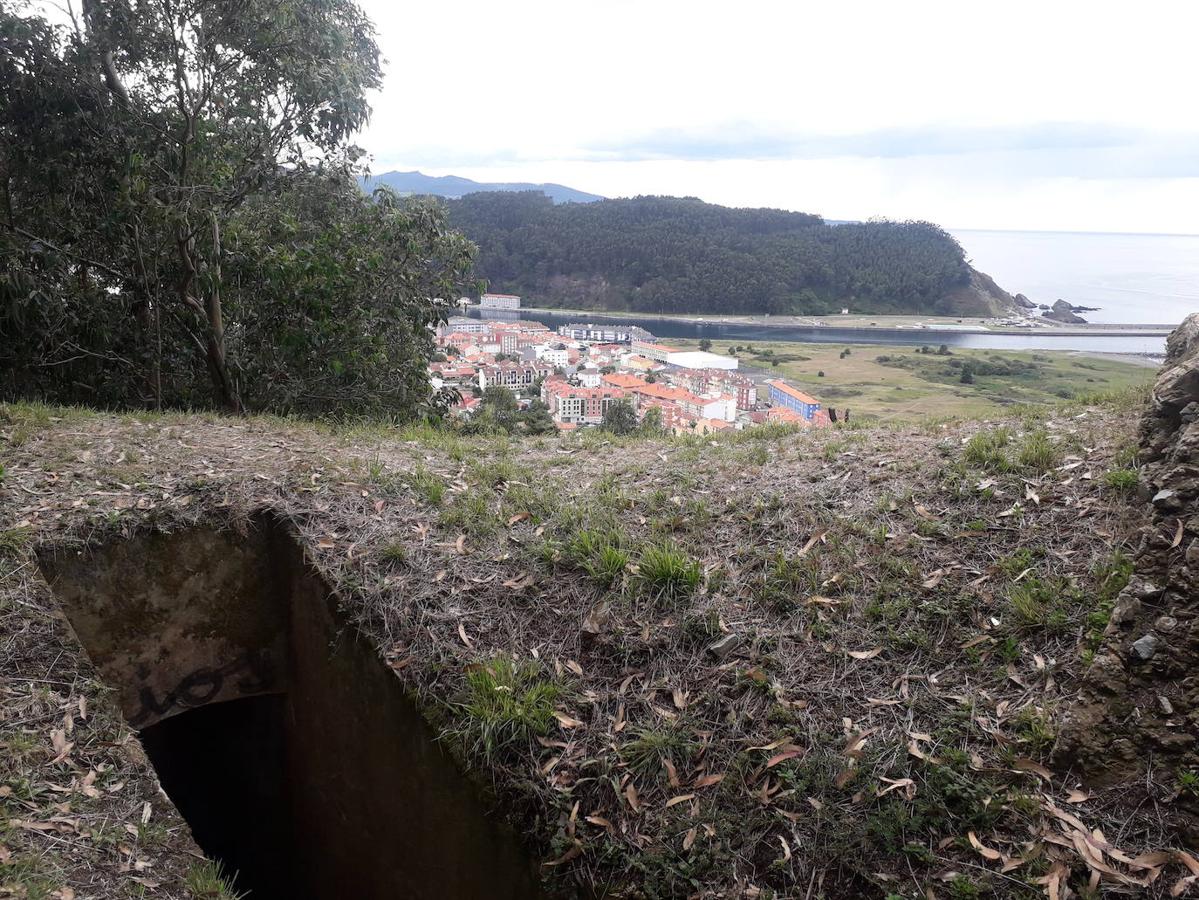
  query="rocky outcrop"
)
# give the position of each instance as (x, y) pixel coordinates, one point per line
(1140, 698)
(980, 296)
(1061, 311)
(1023, 301)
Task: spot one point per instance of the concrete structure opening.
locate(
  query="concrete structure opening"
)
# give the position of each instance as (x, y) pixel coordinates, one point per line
(292, 751)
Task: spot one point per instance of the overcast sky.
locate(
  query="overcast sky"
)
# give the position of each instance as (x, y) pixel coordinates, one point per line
(1052, 115)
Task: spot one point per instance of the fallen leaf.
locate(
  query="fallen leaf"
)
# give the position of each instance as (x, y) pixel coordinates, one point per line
(462, 634)
(575, 849)
(566, 721)
(599, 821)
(681, 798)
(1177, 535)
(519, 517)
(923, 513)
(866, 654)
(1028, 765)
(630, 794)
(811, 542)
(460, 544)
(983, 849)
(708, 781)
(789, 752)
(672, 774)
(1078, 797)
(689, 840)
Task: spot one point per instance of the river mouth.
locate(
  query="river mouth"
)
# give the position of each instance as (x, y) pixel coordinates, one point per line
(292, 751)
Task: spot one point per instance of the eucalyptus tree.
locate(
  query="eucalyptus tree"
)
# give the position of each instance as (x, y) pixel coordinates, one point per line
(132, 136)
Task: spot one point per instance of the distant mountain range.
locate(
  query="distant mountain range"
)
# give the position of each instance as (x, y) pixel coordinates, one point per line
(453, 186)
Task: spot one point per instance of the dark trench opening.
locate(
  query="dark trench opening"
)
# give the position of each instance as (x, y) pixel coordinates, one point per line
(291, 750)
(223, 766)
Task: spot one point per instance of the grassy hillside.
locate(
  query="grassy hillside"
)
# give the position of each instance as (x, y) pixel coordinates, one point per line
(899, 383)
(671, 254)
(767, 663)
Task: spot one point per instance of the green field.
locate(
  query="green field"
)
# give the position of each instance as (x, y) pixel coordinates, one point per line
(892, 383)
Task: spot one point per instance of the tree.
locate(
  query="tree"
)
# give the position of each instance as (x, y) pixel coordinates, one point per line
(133, 143)
(651, 422)
(537, 420)
(499, 410)
(732, 351)
(619, 418)
(967, 376)
(705, 345)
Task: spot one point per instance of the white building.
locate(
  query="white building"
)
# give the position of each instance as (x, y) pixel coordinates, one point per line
(555, 356)
(698, 359)
(499, 301)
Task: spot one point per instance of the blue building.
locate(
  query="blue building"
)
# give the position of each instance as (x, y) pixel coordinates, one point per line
(782, 394)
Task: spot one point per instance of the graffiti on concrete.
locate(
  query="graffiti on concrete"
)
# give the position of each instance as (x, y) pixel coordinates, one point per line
(254, 672)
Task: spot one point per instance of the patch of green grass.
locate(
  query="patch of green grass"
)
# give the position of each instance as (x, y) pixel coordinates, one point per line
(1033, 726)
(206, 879)
(645, 752)
(601, 553)
(505, 704)
(1110, 577)
(667, 573)
(1037, 452)
(426, 484)
(1121, 481)
(1043, 603)
(1188, 782)
(13, 540)
(395, 553)
(985, 450)
(1016, 562)
(471, 513)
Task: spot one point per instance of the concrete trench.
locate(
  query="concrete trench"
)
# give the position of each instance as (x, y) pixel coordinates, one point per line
(290, 749)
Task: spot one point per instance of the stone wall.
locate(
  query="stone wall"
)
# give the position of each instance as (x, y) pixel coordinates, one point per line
(1139, 704)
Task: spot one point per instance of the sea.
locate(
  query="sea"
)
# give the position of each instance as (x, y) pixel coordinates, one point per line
(1131, 278)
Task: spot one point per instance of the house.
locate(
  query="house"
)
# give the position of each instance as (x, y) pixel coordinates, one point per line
(573, 405)
(785, 396)
(513, 375)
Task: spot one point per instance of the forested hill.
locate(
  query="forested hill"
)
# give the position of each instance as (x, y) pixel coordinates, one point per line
(681, 255)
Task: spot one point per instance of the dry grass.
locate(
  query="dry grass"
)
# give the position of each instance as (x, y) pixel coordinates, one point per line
(893, 689)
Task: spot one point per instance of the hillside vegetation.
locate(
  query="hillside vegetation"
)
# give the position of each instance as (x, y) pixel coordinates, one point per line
(681, 255)
(779, 664)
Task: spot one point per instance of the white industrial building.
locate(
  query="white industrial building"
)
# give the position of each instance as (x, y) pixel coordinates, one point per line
(499, 301)
(700, 359)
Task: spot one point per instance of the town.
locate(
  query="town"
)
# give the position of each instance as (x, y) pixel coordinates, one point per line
(613, 375)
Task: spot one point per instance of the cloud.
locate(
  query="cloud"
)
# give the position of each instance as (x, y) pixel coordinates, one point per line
(1063, 140)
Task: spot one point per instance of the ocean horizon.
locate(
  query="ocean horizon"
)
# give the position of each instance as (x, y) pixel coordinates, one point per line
(1134, 278)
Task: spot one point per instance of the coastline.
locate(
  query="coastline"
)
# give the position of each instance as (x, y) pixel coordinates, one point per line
(885, 323)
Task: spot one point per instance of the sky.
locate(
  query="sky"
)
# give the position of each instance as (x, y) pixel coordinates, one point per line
(1048, 115)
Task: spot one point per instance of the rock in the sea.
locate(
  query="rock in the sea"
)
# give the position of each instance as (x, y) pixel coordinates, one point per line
(1062, 311)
